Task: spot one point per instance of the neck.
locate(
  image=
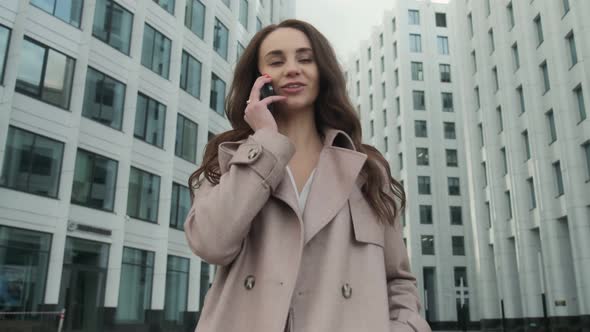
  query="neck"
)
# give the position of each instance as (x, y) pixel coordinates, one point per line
(300, 127)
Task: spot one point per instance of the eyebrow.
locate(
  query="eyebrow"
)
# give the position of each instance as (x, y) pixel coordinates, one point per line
(298, 51)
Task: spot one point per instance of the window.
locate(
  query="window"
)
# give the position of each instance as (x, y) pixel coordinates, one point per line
(495, 78)
(473, 61)
(372, 128)
(258, 24)
(155, 53)
(579, 95)
(144, 195)
(371, 102)
(452, 159)
(393, 27)
(551, 125)
(220, 38)
(384, 118)
(447, 101)
(491, 40)
(420, 128)
(488, 8)
(445, 72)
(527, 146)
(179, 206)
(186, 139)
(558, 178)
(489, 214)
(396, 77)
(508, 204)
(427, 244)
(398, 106)
(460, 273)
(401, 160)
(45, 74)
(566, 6)
(370, 77)
(449, 129)
(484, 170)
(477, 100)
(104, 99)
(383, 90)
(395, 50)
(426, 214)
(95, 179)
(4, 42)
(532, 199)
(456, 215)
(69, 11)
(176, 297)
(32, 163)
(500, 120)
(358, 88)
(369, 54)
(113, 25)
(190, 75)
(504, 161)
(357, 66)
(441, 20)
(480, 129)
(539, 28)
(226, 2)
(424, 185)
(515, 56)
(419, 100)
(24, 260)
(239, 51)
(520, 94)
(135, 289)
(381, 40)
(413, 17)
(458, 245)
(382, 64)
(415, 43)
(443, 44)
(194, 17)
(217, 96)
(386, 144)
(244, 13)
(210, 136)
(571, 42)
(204, 283)
(510, 13)
(167, 5)
(399, 133)
(150, 120)
(454, 187)
(470, 24)
(545, 75)
(586, 148)
(422, 156)
(417, 71)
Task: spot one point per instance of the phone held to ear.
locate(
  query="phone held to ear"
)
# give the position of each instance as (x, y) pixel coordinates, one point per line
(267, 91)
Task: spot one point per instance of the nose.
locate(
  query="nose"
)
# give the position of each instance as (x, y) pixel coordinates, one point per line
(292, 68)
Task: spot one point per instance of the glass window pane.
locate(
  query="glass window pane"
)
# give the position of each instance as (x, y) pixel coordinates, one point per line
(59, 74)
(220, 38)
(175, 299)
(69, 11)
(140, 114)
(244, 13)
(82, 177)
(46, 166)
(17, 159)
(195, 17)
(135, 289)
(31, 68)
(120, 28)
(4, 42)
(217, 97)
(147, 51)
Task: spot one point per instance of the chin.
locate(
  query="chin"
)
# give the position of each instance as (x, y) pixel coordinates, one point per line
(297, 104)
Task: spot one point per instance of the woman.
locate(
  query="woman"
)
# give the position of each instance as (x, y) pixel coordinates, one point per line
(297, 213)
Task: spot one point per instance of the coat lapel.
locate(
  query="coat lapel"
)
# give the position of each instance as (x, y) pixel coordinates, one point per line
(335, 177)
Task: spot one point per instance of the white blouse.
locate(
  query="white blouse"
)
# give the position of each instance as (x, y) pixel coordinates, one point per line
(301, 197)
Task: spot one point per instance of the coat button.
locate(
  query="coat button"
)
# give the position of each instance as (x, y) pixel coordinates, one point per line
(249, 282)
(346, 291)
(252, 153)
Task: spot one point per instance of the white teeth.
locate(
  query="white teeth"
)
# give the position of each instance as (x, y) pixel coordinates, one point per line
(293, 86)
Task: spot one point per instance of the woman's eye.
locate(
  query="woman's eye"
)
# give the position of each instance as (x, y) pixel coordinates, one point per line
(276, 63)
(306, 60)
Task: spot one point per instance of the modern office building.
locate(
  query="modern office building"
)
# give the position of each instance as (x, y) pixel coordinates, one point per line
(525, 87)
(105, 108)
(403, 82)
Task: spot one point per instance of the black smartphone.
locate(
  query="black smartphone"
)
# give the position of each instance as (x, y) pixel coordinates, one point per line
(267, 91)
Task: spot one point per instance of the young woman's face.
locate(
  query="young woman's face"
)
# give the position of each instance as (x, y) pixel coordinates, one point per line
(286, 55)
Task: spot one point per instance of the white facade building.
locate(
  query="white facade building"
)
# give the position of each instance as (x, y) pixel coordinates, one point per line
(403, 82)
(525, 90)
(105, 108)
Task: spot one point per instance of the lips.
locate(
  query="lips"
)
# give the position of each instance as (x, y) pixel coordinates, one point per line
(292, 87)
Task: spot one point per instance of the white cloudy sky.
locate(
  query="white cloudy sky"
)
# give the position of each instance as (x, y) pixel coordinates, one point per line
(344, 22)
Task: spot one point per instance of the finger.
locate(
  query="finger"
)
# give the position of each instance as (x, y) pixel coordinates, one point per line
(255, 92)
(272, 99)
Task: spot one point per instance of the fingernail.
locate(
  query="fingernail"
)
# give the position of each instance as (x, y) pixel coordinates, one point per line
(267, 75)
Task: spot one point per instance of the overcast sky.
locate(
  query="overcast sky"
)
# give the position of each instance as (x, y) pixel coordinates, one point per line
(344, 22)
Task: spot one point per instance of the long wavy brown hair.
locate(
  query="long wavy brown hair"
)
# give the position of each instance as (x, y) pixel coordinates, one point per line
(333, 109)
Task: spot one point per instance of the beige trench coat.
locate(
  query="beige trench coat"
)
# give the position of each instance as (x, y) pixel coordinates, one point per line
(333, 269)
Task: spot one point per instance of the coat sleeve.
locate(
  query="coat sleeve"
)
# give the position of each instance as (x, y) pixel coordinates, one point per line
(221, 215)
(404, 302)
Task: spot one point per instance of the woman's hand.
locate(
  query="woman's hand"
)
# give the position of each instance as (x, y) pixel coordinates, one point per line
(257, 115)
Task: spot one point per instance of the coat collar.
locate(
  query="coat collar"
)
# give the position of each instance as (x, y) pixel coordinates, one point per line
(336, 174)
